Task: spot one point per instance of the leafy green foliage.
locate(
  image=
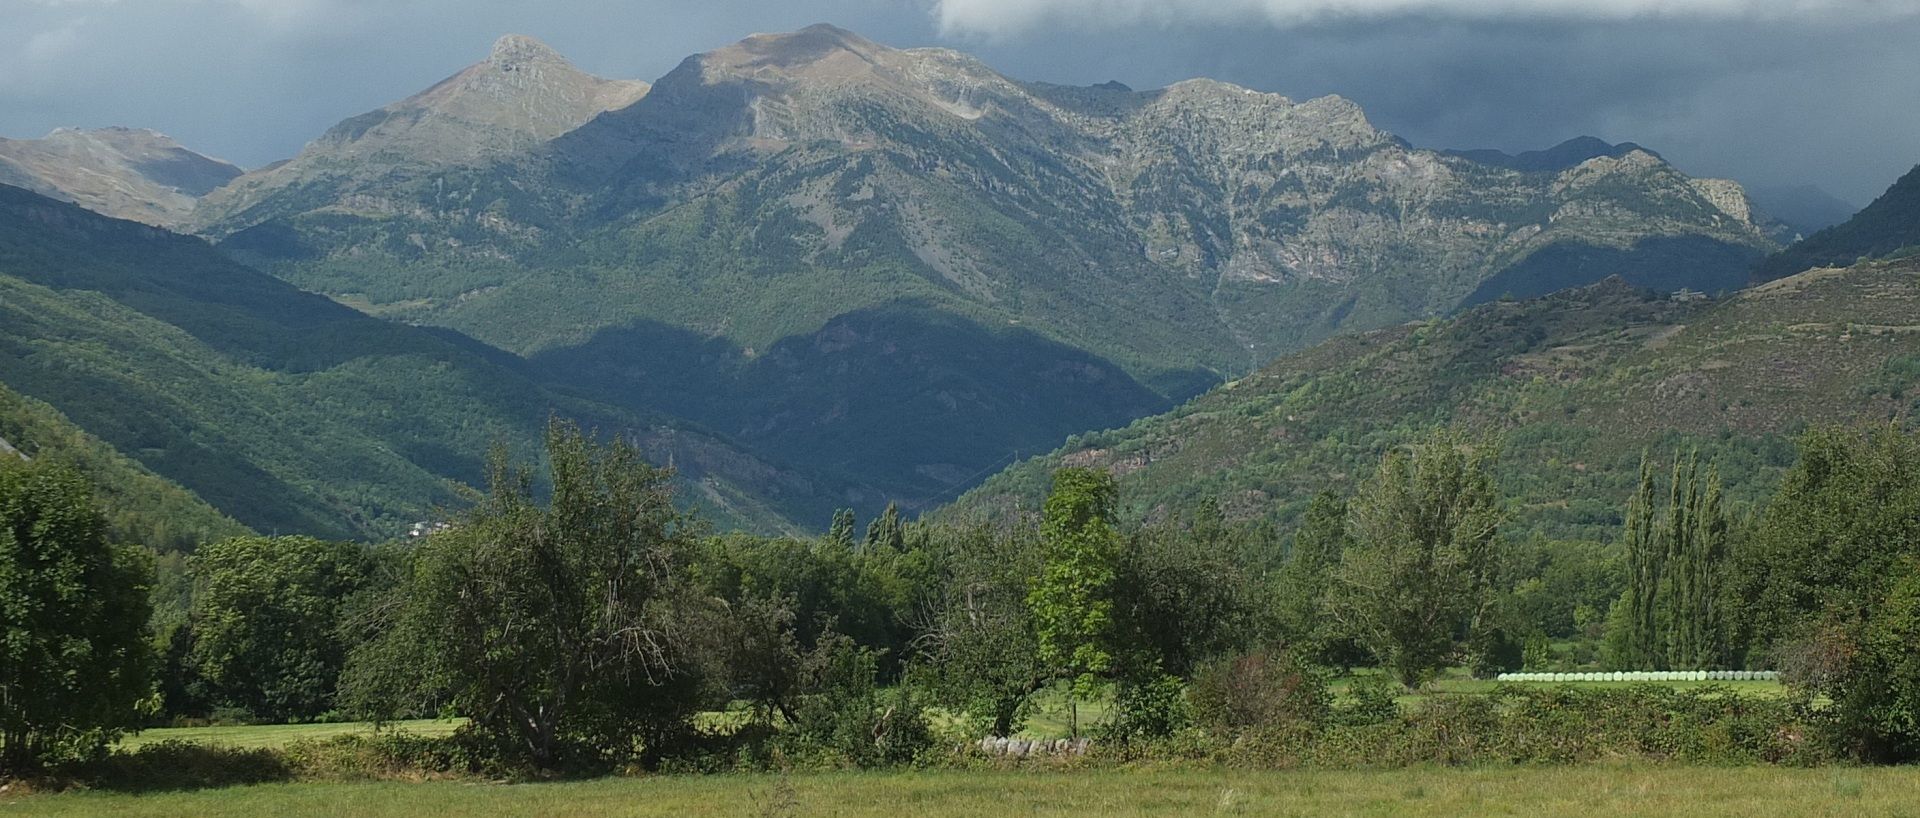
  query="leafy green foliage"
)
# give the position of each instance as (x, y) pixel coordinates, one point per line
(74, 660)
(980, 643)
(846, 715)
(267, 630)
(1072, 597)
(1833, 540)
(1876, 686)
(1418, 574)
(1182, 595)
(560, 630)
(1299, 602)
(826, 587)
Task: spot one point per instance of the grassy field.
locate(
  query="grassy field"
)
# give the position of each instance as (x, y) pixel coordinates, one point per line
(279, 735)
(1589, 792)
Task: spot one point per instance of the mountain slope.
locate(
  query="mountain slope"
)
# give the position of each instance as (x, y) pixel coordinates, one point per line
(520, 96)
(1576, 384)
(282, 408)
(140, 506)
(1889, 225)
(762, 192)
(120, 172)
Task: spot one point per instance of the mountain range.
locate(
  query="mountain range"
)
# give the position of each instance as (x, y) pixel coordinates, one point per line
(1575, 387)
(817, 270)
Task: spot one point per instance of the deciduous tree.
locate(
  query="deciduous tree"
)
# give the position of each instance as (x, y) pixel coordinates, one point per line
(75, 663)
(1415, 580)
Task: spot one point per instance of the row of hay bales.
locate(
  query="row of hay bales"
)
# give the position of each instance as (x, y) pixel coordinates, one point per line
(1647, 676)
(1023, 748)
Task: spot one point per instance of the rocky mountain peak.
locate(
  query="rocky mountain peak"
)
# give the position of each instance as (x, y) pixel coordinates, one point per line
(524, 85)
(515, 50)
(1564, 156)
(522, 95)
(819, 51)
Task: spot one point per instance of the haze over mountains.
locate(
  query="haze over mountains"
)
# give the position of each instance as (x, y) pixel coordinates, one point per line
(823, 271)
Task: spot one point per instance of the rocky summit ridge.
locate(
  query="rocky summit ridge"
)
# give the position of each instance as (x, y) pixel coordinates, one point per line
(127, 173)
(522, 95)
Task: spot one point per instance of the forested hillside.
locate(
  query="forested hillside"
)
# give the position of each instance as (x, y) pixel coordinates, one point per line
(139, 506)
(282, 408)
(1574, 386)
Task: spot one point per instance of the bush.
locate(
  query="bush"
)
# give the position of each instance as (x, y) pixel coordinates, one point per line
(1151, 709)
(1551, 725)
(1370, 700)
(398, 755)
(1262, 690)
(179, 765)
(847, 720)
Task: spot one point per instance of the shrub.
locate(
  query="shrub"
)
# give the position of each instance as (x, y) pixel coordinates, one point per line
(179, 765)
(847, 720)
(1151, 709)
(1370, 700)
(1261, 690)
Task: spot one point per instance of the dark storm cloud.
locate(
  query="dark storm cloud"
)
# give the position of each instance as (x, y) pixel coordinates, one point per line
(1771, 92)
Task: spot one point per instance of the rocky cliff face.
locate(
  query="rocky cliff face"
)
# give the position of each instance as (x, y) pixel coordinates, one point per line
(125, 173)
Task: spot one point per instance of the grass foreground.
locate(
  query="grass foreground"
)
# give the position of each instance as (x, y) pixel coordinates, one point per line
(1589, 792)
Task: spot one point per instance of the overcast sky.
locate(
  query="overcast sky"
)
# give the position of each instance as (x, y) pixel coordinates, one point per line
(1771, 92)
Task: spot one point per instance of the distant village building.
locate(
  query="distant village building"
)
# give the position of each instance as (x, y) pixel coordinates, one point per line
(423, 528)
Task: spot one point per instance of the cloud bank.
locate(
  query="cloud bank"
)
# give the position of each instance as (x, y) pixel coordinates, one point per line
(1002, 17)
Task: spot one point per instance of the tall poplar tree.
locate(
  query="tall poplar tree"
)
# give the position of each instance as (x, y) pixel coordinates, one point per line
(1644, 563)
